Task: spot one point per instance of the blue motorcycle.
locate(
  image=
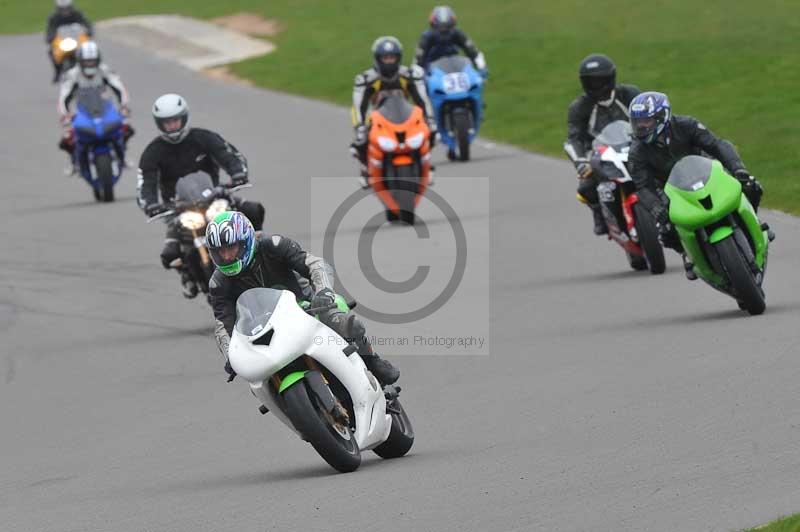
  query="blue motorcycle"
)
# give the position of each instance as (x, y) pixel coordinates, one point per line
(99, 142)
(455, 88)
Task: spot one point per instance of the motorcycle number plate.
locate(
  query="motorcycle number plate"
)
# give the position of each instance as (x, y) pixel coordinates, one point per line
(606, 192)
(200, 241)
(456, 82)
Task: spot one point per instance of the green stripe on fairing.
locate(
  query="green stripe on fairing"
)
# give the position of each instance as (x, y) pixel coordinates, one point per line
(291, 379)
(720, 233)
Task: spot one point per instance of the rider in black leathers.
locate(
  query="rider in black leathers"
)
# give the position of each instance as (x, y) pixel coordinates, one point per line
(177, 153)
(604, 101)
(653, 154)
(444, 39)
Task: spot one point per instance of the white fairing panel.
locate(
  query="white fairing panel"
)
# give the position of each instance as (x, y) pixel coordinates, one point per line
(295, 333)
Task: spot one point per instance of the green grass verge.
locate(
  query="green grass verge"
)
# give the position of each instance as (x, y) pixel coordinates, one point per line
(786, 524)
(731, 64)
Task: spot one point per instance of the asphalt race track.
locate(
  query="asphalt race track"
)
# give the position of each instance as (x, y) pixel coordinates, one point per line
(610, 400)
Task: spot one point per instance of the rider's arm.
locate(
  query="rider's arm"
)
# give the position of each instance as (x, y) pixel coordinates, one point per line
(466, 44)
(716, 147)
(362, 91)
(52, 27)
(85, 21)
(422, 49)
(224, 308)
(113, 80)
(147, 180)
(578, 140)
(289, 252)
(223, 153)
(416, 88)
(66, 92)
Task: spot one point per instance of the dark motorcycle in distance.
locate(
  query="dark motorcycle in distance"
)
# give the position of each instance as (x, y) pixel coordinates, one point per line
(629, 223)
(197, 202)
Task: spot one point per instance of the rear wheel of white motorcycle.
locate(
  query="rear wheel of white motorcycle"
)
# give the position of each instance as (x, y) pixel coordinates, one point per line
(648, 239)
(401, 437)
(334, 442)
(105, 176)
(749, 295)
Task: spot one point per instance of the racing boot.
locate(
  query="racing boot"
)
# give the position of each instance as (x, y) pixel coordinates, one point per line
(688, 268)
(189, 285)
(355, 332)
(600, 227)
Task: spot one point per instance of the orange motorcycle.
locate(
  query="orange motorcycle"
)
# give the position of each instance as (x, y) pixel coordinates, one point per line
(398, 156)
(68, 39)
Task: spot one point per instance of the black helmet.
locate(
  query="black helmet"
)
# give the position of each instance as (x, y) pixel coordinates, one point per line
(598, 76)
(382, 49)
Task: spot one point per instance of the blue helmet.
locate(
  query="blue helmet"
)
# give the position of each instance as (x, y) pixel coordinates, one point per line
(650, 113)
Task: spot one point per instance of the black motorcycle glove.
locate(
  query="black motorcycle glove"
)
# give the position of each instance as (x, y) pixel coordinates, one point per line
(155, 209)
(229, 370)
(583, 168)
(324, 298)
(750, 187)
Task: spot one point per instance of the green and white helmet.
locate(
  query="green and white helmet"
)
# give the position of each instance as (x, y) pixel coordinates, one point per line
(231, 241)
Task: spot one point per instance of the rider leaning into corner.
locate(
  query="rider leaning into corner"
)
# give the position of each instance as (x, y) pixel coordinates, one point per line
(444, 39)
(661, 139)
(180, 150)
(89, 73)
(603, 101)
(245, 261)
(65, 13)
(386, 74)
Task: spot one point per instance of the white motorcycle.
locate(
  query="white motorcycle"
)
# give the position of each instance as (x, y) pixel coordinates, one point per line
(314, 381)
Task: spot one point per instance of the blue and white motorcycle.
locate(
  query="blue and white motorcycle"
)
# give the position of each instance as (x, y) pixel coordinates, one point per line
(99, 142)
(455, 88)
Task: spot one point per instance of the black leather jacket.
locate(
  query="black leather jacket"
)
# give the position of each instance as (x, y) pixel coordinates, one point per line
(163, 163)
(587, 118)
(650, 164)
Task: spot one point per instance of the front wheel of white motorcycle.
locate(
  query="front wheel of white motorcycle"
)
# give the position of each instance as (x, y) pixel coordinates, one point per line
(334, 441)
(401, 437)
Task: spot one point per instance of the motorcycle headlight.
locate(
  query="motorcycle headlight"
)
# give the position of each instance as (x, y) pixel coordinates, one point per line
(387, 144)
(192, 220)
(68, 44)
(217, 206)
(416, 141)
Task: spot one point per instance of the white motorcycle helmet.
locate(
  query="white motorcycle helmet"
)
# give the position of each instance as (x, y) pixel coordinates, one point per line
(63, 4)
(167, 108)
(89, 58)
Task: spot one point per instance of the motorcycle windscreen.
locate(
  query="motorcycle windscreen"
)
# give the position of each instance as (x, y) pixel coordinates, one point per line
(691, 173)
(194, 188)
(92, 102)
(395, 108)
(617, 134)
(451, 63)
(254, 308)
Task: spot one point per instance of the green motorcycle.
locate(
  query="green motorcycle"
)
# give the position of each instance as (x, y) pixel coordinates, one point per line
(719, 229)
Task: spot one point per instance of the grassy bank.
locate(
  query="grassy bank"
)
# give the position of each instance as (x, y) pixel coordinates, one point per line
(787, 524)
(731, 64)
